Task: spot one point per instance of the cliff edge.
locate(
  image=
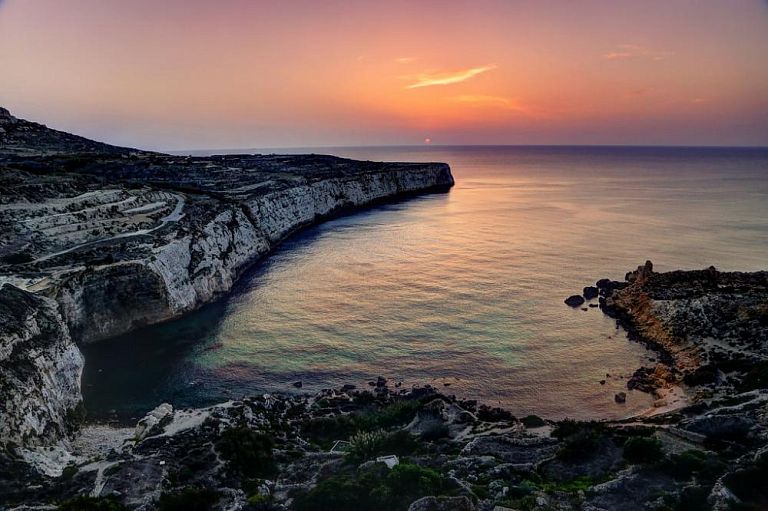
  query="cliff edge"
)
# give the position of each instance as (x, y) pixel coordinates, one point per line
(119, 238)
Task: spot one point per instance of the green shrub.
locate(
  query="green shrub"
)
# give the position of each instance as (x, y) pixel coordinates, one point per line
(580, 439)
(324, 430)
(259, 501)
(413, 480)
(643, 450)
(521, 490)
(756, 377)
(748, 484)
(533, 421)
(18, 258)
(69, 472)
(188, 499)
(579, 446)
(327, 429)
(582, 483)
(392, 491)
(435, 432)
(401, 443)
(248, 452)
(694, 498)
(686, 464)
(84, 503)
(365, 445)
(569, 427)
(395, 414)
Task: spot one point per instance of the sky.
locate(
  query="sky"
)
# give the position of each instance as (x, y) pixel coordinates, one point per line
(193, 74)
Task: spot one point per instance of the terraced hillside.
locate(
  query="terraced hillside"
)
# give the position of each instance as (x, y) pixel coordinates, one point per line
(118, 238)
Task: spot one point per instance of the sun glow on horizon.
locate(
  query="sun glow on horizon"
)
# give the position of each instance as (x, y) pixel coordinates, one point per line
(259, 74)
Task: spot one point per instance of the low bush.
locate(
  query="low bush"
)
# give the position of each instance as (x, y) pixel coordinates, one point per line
(83, 503)
(643, 450)
(683, 466)
(579, 446)
(392, 491)
(324, 430)
(248, 452)
(69, 472)
(188, 499)
(18, 258)
(748, 484)
(756, 377)
(569, 427)
(367, 445)
(394, 414)
(579, 439)
(434, 433)
(259, 502)
(533, 421)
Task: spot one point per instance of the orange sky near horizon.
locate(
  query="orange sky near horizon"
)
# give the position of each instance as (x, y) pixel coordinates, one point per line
(247, 74)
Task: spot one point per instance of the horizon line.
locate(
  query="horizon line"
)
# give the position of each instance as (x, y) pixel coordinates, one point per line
(424, 146)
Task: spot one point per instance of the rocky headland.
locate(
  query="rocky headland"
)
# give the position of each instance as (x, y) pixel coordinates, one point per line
(98, 240)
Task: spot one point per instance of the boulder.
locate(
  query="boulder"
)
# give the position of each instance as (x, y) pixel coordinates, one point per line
(590, 292)
(620, 397)
(574, 301)
(154, 421)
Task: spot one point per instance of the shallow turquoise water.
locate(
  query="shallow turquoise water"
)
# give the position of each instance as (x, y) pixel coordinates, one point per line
(464, 288)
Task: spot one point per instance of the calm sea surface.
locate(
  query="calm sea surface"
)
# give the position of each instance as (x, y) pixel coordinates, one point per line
(464, 288)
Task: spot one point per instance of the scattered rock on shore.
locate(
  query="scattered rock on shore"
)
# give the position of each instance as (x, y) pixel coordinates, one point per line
(574, 301)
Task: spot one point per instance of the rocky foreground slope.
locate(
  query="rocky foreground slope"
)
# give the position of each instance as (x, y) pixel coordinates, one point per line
(96, 240)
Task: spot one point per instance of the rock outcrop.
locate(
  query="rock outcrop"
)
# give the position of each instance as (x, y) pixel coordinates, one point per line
(710, 327)
(117, 238)
(40, 369)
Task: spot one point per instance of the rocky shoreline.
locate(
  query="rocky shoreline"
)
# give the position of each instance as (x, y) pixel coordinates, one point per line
(386, 447)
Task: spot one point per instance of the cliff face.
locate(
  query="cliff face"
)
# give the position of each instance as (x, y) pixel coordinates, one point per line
(106, 239)
(40, 370)
(197, 265)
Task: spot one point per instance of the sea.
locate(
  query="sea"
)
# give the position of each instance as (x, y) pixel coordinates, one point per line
(461, 290)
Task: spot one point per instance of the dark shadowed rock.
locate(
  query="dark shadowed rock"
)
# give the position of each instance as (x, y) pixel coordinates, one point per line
(574, 301)
(590, 292)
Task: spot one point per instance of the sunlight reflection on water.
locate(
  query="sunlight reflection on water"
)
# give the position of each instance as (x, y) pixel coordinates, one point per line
(464, 288)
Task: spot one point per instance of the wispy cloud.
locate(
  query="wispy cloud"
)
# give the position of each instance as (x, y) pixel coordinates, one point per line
(431, 79)
(481, 99)
(405, 60)
(635, 51)
(499, 103)
(644, 91)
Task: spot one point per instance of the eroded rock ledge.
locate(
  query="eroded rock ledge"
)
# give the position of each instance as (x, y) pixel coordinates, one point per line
(710, 327)
(118, 238)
